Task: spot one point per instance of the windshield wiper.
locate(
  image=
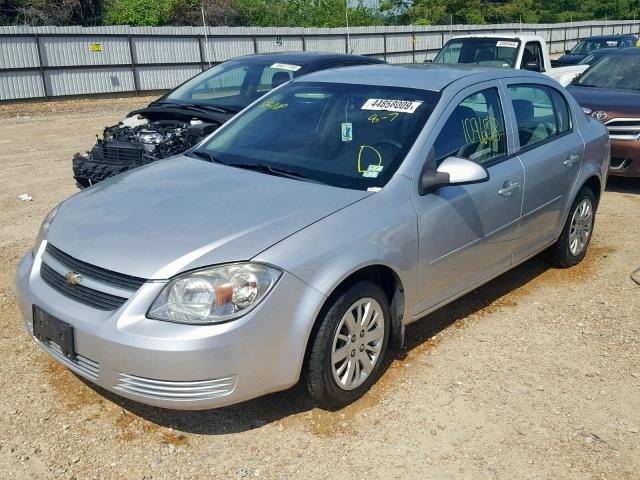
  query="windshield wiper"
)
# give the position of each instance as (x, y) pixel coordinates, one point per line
(194, 106)
(206, 156)
(278, 171)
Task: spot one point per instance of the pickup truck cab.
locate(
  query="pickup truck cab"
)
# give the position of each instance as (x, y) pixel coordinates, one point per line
(523, 52)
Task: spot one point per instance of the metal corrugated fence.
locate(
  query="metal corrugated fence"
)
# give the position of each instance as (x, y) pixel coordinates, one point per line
(43, 62)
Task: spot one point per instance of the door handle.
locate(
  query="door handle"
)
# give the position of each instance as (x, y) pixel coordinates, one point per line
(571, 159)
(508, 188)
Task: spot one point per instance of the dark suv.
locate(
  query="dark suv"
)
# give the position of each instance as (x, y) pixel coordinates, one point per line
(591, 44)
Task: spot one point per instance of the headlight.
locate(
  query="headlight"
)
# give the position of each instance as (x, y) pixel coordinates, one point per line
(44, 227)
(214, 295)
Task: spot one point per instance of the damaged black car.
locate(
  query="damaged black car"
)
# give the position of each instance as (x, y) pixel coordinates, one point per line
(180, 119)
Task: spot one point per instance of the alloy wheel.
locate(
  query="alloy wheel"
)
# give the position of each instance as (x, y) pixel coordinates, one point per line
(357, 343)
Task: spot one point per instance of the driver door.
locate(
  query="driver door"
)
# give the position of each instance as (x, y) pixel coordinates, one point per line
(467, 232)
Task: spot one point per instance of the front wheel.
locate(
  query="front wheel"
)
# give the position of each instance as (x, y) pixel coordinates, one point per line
(348, 349)
(572, 245)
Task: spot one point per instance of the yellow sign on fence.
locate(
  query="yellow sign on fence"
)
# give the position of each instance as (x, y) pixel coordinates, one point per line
(96, 47)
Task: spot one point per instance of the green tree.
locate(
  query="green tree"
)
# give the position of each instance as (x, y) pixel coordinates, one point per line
(139, 12)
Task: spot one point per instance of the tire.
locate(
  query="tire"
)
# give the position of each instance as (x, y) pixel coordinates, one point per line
(328, 377)
(564, 253)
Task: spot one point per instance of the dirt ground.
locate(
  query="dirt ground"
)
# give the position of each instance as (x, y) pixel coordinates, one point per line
(533, 376)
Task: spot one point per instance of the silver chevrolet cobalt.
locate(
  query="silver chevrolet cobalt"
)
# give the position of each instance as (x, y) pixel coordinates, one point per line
(301, 238)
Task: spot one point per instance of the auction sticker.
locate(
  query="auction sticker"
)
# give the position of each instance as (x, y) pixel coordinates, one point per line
(402, 106)
(286, 66)
(507, 44)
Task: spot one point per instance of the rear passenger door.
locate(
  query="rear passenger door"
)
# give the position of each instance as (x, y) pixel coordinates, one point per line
(551, 152)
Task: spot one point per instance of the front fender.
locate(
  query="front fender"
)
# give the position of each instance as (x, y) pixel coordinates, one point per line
(378, 230)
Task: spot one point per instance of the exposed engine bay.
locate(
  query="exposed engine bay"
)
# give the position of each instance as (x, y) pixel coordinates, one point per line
(143, 137)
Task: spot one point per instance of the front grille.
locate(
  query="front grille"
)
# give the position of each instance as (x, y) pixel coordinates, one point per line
(121, 153)
(624, 129)
(81, 365)
(176, 390)
(619, 163)
(120, 280)
(82, 294)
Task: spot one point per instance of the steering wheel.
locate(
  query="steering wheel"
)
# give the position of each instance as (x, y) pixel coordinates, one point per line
(389, 142)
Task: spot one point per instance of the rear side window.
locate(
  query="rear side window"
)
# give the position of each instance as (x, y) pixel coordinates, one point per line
(475, 130)
(535, 114)
(533, 54)
(563, 118)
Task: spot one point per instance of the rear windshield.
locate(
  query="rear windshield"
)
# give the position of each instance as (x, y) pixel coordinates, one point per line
(352, 136)
(490, 52)
(234, 85)
(615, 71)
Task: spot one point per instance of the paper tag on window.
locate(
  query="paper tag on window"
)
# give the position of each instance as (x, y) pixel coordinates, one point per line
(370, 174)
(347, 132)
(507, 44)
(286, 66)
(375, 168)
(402, 106)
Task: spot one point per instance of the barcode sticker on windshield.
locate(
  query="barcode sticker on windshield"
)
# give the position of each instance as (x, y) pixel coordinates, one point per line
(286, 66)
(506, 43)
(402, 106)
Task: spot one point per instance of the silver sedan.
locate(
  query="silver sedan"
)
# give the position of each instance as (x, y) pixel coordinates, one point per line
(301, 238)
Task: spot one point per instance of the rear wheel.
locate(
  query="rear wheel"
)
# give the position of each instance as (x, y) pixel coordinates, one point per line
(348, 350)
(572, 245)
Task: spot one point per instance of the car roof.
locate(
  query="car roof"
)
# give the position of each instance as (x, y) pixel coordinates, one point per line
(616, 51)
(306, 58)
(621, 51)
(609, 37)
(519, 36)
(425, 76)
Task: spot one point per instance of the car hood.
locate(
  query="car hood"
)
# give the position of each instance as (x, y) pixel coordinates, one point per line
(570, 59)
(183, 213)
(617, 103)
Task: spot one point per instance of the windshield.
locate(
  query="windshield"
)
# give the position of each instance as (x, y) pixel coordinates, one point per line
(351, 136)
(618, 72)
(233, 85)
(585, 46)
(491, 52)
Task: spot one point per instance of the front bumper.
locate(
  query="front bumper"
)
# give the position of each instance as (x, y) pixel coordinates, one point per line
(179, 366)
(625, 158)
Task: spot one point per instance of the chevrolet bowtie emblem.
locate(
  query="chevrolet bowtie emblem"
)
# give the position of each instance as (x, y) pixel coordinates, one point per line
(73, 278)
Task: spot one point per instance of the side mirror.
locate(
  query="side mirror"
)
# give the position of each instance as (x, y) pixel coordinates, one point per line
(567, 52)
(532, 66)
(452, 171)
(428, 61)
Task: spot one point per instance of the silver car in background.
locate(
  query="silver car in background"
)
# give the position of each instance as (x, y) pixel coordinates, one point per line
(303, 236)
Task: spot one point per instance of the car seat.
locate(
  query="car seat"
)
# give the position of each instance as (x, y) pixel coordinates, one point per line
(279, 78)
(530, 130)
(452, 140)
(484, 55)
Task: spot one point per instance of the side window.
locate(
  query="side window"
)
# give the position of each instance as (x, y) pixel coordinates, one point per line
(272, 78)
(533, 53)
(563, 118)
(535, 113)
(475, 130)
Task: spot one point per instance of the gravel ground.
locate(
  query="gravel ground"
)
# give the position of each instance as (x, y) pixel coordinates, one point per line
(535, 375)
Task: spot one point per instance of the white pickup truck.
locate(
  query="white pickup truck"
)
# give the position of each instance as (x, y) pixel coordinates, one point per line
(528, 52)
